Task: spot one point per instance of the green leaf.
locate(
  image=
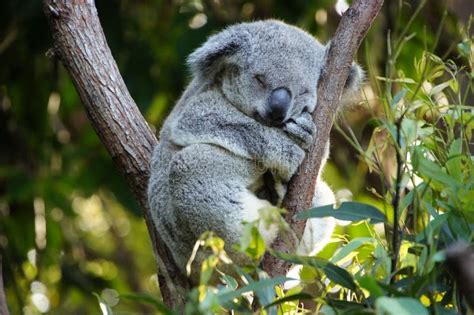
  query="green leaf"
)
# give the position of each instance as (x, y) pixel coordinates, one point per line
(408, 199)
(266, 294)
(431, 170)
(289, 298)
(339, 276)
(432, 227)
(400, 80)
(207, 268)
(104, 307)
(438, 88)
(464, 48)
(257, 285)
(348, 211)
(231, 282)
(334, 273)
(251, 242)
(397, 98)
(459, 227)
(399, 306)
(351, 247)
(370, 284)
(348, 307)
(455, 158)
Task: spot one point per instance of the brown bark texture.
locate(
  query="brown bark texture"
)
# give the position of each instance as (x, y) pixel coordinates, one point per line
(80, 44)
(350, 32)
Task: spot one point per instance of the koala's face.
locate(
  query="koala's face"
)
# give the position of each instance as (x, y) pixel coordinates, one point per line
(268, 70)
(277, 75)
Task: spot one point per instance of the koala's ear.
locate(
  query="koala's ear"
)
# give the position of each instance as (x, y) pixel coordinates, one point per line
(208, 59)
(355, 79)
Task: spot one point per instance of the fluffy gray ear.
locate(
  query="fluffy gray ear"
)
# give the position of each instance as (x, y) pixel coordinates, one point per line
(208, 59)
(351, 93)
(355, 79)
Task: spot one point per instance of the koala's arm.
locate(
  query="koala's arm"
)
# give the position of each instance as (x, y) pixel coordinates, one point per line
(318, 231)
(211, 119)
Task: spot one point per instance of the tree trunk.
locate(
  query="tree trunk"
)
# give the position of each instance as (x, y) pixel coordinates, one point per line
(80, 44)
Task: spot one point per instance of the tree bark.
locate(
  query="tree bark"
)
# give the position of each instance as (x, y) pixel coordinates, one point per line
(80, 44)
(350, 32)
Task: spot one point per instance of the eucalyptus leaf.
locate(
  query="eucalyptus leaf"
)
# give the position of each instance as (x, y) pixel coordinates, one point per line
(289, 298)
(252, 287)
(431, 170)
(104, 307)
(348, 211)
(370, 284)
(351, 247)
(399, 306)
(334, 273)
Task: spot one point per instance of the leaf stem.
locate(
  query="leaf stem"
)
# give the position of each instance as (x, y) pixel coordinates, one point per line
(396, 202)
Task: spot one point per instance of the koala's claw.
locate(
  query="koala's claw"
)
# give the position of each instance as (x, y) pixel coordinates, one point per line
(305, 121)
(301, 130)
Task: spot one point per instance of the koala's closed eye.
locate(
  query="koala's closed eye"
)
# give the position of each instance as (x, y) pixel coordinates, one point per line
(304, 92)
(261, 80)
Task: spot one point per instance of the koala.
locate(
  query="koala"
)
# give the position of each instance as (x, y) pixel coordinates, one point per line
(236, 137)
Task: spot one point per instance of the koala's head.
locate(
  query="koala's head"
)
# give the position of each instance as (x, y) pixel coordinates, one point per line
(268, 70)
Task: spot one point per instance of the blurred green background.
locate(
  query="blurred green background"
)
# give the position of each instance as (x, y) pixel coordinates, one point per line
(69, 226)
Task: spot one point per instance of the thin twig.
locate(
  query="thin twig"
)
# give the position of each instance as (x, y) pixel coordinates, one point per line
(396, 202)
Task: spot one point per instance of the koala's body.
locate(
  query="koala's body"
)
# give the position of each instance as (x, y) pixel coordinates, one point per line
(236, 136)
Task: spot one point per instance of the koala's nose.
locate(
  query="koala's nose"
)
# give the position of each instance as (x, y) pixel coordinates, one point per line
(279, 103)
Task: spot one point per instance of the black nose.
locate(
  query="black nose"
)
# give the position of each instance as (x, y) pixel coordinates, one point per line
(279, 104)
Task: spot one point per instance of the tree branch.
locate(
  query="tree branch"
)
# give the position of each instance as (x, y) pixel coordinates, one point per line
(80, 44)
(350, 32)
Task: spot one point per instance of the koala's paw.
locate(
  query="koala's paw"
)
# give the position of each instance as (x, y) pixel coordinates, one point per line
(301, 129)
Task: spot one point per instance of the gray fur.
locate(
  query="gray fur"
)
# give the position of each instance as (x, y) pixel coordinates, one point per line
(216, 146)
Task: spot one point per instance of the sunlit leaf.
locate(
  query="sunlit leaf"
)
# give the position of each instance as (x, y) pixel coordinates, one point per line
(351, 247)
(399, 80)
(397, 98)
(348, 211)
(256, 285)
(289, 298)
(334, 273)
(104, 307)
(431, 170)
(399, 306)
(370, 284)
(230, 281)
